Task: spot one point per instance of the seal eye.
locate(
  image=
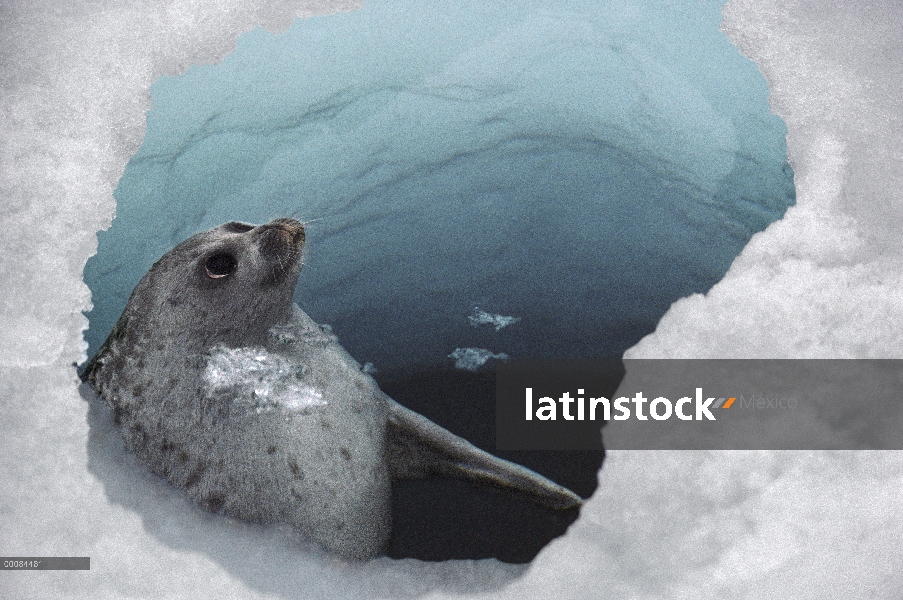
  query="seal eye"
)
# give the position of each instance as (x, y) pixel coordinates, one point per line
(220, 265)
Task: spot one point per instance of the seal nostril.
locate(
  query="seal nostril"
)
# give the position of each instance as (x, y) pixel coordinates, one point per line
(220, 265)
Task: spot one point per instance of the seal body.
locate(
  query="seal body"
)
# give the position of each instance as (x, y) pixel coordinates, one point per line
(222, 385)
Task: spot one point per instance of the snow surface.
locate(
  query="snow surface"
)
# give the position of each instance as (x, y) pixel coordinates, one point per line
(824, 281)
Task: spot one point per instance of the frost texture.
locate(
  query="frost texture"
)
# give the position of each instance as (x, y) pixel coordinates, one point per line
(260, 381)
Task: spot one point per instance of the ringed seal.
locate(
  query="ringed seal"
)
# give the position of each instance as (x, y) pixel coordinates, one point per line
(225, 387)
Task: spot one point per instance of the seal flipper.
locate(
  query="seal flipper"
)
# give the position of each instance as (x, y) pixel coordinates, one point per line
(417, 447)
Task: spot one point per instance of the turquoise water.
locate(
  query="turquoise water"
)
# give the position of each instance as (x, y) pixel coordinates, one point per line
(578, 166)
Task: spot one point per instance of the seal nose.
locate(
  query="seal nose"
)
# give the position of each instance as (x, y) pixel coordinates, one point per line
(280, 242)
(286, 223)
(291, 230)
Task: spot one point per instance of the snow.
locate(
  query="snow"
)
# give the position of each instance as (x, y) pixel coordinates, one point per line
(259, 380)
(824, 281)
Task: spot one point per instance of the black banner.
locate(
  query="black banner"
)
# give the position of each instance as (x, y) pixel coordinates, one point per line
(728, 404)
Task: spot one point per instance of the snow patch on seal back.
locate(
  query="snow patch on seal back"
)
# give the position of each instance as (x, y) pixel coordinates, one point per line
(259, 380)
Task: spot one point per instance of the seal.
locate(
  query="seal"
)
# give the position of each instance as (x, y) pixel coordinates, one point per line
(225, 387)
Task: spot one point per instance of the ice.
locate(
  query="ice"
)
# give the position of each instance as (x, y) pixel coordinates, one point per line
(369, 368)
(499, 322)
(824, 281)
(471, 359)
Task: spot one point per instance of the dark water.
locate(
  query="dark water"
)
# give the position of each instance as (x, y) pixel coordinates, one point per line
(441, 518)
